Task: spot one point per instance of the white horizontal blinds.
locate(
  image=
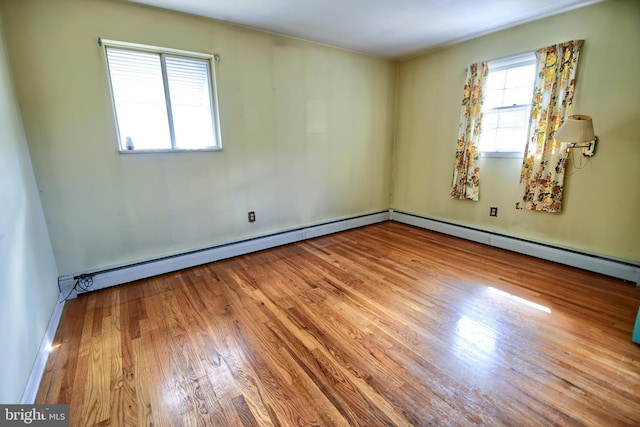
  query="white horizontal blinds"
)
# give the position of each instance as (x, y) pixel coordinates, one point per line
(507, 104)
(139, 98)
(190, 93)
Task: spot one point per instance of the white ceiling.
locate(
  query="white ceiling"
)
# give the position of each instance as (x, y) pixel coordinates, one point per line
(387, 28)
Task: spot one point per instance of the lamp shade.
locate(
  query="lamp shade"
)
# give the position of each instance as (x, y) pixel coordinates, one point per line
(576, 128)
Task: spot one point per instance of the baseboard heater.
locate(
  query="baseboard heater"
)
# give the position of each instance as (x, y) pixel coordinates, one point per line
(620, 269)
(142, 270)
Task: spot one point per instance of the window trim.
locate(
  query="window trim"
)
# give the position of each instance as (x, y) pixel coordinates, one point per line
(500, 64)
(162, 51)
(502, 154)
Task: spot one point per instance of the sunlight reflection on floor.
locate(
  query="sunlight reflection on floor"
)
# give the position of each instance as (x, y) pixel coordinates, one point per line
(472, 333)
(476, 338)
(518, 299)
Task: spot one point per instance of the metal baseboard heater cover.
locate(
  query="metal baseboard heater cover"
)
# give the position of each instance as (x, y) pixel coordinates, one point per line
(620, 269)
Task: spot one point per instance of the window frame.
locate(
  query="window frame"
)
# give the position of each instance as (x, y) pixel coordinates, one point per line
(161, 51)
(505, 63)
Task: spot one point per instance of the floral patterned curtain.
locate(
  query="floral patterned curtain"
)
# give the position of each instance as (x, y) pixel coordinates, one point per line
(542, 175)
(466, 172)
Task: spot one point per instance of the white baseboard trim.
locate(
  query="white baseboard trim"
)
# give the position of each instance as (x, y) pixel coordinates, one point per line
(39, 365)
(620, 269)
(130, 273)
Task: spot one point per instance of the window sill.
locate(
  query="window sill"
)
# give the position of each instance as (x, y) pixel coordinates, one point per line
(184, 150)
(503, 154)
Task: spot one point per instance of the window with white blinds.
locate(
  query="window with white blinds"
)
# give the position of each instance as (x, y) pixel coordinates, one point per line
(163, 99)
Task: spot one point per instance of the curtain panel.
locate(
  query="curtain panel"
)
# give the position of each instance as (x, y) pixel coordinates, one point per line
(543, 166)
(466, 173)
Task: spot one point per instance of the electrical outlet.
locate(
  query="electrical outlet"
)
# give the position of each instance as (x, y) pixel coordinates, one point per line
(493, 211)
(251, 216)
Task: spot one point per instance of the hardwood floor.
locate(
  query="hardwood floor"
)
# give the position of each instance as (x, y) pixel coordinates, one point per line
(386, 325)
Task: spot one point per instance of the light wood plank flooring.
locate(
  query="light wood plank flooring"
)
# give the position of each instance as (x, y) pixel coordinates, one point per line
(386, 325)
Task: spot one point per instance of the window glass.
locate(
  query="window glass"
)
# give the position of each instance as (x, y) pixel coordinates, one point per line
(190, 102)
(139, 98)
(507, 105)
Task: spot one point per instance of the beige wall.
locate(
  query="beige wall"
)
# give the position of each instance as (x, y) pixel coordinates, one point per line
(28, 276)
(601, 212)
(306, 129)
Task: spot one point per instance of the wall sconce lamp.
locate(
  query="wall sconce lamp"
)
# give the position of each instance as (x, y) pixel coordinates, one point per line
(577, 130)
